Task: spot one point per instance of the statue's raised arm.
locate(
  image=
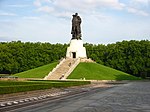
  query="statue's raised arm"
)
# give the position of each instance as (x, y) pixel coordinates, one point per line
(76, 28)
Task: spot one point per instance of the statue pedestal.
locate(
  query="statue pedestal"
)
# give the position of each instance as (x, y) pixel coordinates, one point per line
(76, 49)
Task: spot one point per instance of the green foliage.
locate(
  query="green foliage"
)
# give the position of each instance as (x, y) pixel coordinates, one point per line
(94, 71)
(18, 56)
(131, 57)
(128, 56)
(7, 87)
(39, 72)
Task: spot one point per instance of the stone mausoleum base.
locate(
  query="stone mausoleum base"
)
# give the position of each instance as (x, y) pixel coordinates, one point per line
(76, 49)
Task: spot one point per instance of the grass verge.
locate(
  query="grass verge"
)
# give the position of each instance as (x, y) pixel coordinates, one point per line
(7, 87)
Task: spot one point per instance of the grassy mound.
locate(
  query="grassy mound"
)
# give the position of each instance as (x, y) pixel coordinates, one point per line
(94, 71)
(39, 72)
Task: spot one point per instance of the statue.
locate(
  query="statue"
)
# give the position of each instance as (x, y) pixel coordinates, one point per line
(76, 29)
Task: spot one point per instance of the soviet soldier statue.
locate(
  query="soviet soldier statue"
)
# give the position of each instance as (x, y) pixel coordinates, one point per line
(76, 28)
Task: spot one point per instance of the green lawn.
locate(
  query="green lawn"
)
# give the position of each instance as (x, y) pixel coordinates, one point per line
(39, 72)
(94, 71)
(7, 87)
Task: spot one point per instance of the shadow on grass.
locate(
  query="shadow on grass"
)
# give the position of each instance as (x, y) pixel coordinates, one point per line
(126, 77)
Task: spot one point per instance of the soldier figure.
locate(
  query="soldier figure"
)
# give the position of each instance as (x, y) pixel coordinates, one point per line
(76, 29)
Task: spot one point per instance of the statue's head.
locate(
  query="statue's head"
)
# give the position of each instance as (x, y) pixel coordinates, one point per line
(76, 14)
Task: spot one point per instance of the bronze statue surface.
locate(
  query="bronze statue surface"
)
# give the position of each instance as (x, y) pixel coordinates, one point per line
(76, 28)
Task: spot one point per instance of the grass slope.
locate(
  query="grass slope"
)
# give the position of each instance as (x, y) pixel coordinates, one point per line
(39, 72)
(94, 71)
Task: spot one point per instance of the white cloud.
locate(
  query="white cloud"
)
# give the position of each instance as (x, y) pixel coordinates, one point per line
(136, 11)
(18, 5)
(37, 3)
(88, 4)
(31, 18)
(46, 9)
(138, 7)
(7, 14)
(146, 2)
(62, 8)
(65, 8)
(100, 16)
(64, 14)
(106, 3)
(143, 13)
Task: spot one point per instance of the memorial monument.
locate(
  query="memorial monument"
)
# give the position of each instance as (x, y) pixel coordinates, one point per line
(75, 54)
(76, 49)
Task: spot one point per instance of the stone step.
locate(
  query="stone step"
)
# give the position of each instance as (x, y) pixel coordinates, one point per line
(62, 69)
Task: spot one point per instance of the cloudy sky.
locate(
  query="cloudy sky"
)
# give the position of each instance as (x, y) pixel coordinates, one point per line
(103, 21)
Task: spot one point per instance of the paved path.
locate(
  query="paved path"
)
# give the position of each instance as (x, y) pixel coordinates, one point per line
(131, 97)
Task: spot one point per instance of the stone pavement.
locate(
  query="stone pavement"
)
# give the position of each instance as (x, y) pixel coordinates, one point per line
(132, 97)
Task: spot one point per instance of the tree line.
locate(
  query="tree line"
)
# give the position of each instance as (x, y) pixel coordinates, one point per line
(132, 57)
(20, 56)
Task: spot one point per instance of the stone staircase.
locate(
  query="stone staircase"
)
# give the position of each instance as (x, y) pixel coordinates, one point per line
(63, 69)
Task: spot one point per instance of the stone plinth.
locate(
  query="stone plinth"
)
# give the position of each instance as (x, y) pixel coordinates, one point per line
(76, 49)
